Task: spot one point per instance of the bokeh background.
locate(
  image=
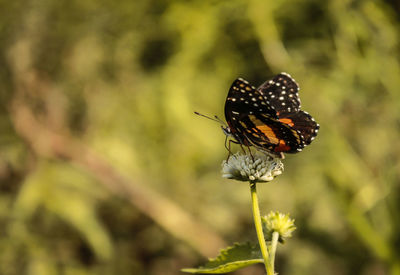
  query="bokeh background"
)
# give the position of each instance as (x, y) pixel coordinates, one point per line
(104, 168)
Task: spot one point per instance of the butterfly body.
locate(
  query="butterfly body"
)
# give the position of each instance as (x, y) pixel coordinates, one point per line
(269, 117)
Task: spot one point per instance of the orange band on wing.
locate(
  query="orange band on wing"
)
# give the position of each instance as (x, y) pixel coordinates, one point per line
(287, 121)
(268, 132)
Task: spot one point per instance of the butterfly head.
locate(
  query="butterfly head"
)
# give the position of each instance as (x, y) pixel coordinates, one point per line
(227, 131)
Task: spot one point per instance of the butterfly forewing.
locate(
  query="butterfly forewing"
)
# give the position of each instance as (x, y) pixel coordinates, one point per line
(243, 100)
(282, 93)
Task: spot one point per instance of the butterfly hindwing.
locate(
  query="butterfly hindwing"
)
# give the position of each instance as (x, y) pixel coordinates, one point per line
(271, 135)
(302, 122)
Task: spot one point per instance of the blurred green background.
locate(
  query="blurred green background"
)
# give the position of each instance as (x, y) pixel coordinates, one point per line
(104, 168)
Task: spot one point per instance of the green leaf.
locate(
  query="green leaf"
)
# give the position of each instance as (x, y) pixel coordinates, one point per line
(230, 259)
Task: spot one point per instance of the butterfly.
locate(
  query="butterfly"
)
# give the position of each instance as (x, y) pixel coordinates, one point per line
(269, 117)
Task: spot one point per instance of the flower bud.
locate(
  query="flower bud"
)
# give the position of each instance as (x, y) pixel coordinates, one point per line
(278, 222)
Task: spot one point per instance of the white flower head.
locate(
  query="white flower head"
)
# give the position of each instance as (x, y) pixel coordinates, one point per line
(256, 168)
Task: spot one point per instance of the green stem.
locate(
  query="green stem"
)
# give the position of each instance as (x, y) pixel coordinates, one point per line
(274, 243)
(260, 233)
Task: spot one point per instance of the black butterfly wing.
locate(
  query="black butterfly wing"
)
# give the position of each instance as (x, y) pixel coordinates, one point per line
(282, 93)
(243, 100)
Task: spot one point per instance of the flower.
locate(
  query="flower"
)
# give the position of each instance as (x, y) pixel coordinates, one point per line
(257, 168)
(278, 222)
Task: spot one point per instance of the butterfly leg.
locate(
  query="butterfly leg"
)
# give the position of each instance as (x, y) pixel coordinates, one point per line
(252, 157)
(226, 146)
(248, 147)
(229, 147)
(241, 146)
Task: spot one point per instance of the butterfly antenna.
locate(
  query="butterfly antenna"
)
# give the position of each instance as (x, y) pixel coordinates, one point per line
(217, 119)
(221, 121)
